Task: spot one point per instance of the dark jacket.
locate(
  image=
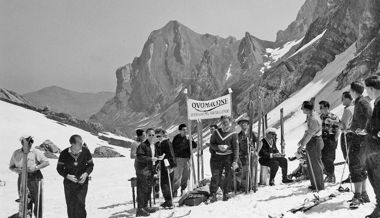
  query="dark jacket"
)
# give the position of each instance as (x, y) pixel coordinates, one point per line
(373, 127)
(165, 147)
(243, 143)
(225, 138)
(181, 146)
(266, 150)
(143, 161)
(66, 163)
(362, 113)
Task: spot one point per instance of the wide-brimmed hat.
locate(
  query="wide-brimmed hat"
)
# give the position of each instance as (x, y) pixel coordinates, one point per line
(243, 119)
(271, 130)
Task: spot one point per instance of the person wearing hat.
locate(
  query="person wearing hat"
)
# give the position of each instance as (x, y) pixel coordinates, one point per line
(271, 157)
(243, 139)
(36, 162)
(312, 140)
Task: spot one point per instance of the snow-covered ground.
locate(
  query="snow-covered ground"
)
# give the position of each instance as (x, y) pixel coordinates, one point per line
(110, 193)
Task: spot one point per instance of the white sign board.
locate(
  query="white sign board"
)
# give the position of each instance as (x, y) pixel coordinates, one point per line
(215, 108)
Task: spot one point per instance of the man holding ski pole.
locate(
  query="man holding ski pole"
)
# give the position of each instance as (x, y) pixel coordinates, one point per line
(36, 162)
(164, 148)
(313, 142)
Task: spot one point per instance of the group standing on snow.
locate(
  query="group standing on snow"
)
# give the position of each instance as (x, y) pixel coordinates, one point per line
(154, 153)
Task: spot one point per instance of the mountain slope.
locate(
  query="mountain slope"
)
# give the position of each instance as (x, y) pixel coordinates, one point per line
(77, 104)
(13, 97)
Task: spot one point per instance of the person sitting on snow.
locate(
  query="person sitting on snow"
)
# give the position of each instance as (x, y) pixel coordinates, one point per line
(272, 158)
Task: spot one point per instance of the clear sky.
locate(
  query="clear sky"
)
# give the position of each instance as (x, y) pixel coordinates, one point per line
(78, 44)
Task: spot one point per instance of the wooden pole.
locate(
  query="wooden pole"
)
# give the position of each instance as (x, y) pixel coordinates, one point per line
(191, 183)
(199, 152)
(201, 149)
(282, 130)
(258, 140)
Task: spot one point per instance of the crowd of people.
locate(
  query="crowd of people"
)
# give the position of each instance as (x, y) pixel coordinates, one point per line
(155, 154)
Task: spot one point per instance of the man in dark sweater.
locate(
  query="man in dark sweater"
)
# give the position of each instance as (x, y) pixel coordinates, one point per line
(330, 136)
(181, 147)
(373, 138)
(224, 143)
(356, 144)
(75, 165)
(243, 139)
(272, 158)
(164, 148)
(144, 162)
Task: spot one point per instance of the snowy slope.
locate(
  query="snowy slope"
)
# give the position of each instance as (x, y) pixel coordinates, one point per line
(16, 121)
(110, 192)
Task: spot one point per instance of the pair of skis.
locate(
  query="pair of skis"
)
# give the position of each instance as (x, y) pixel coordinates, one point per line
(24, 199)
(307, 205)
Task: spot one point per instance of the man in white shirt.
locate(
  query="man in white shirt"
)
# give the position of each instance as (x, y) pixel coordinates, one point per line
(36, 162)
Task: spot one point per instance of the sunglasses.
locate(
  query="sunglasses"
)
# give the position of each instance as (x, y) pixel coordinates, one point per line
(159, 136)
(151, 135)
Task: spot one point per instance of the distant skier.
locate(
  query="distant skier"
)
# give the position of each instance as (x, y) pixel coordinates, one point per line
(356, 143)
(181, 147)
(36, 162)
(75, 164)
(330, 136)
(145, 159)
(140, 137)
(271, 157)
(313, 142)
(373, 138)
(164, 148)
(224, 143)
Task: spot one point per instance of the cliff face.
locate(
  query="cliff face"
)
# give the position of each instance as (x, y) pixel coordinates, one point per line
(174, 57)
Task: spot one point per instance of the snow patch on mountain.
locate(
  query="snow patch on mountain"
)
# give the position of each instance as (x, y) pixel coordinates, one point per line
(228, 73)
(309, 43)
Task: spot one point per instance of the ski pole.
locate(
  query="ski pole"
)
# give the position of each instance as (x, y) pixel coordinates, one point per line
(348, 157)
(167, 165)
(38, 199)
(312, 171)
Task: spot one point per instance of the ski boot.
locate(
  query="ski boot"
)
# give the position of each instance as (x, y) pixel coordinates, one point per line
(226, 197)
(365, 197)
(141, 212)
(356, 201)
(286, 180)
(271, 182)
(167, 205)
(213, 198)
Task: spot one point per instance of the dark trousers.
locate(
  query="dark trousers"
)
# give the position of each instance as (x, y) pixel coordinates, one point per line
(273, 164)
(218, 164)
(33, 183)
(373, 168)
(328, 154)
(144, 190)
(356, 157)
(165, 188)
(314, 162)
(75, 195)
(343, 145)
